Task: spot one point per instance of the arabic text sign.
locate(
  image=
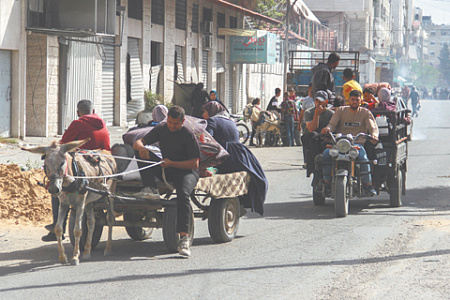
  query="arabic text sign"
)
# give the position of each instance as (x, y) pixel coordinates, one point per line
(253, 49)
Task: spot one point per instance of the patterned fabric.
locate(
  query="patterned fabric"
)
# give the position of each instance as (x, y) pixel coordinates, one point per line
(225, 185)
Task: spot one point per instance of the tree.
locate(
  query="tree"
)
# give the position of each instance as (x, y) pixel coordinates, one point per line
(424, 74)
(444, 65)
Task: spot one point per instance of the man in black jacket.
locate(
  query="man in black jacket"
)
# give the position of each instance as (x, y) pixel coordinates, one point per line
(198, 99)
(322, 74)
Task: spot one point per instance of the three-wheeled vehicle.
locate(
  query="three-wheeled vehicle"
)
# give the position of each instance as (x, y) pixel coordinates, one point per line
(216, 198)
(387, 159)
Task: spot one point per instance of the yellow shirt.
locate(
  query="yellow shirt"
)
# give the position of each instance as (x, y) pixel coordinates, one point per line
(350, 86)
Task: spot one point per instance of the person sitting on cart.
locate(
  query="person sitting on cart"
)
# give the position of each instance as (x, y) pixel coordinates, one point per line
(369, 100)
(225, 132)
(88, 125)
(352, 120)
(316, 118)
(181, 157)
(350, 84)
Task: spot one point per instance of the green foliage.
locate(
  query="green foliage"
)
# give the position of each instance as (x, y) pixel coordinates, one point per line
(151, 100)
(424, 74)
(7, 140)
(444, 65)
(271, 8)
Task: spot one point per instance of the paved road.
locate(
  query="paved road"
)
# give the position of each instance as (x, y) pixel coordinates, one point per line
(296, 251)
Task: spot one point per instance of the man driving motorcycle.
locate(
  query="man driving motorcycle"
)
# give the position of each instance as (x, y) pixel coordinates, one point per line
(353, 119)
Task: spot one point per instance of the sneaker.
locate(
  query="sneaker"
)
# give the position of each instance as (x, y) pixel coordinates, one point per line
(370, 191)
(50, 237)
(149, 193)
(183, 246)
(50, 227)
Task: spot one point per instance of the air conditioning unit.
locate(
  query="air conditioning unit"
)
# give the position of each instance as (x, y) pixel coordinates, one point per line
(208, 27)
(208, 42)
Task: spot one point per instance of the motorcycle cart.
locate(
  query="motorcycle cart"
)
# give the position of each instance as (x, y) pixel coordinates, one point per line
(388, 160)
(216, 198)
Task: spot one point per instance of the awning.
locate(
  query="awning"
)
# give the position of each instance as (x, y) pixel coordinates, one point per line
(237, 32)
(245, 11)
(301, 9)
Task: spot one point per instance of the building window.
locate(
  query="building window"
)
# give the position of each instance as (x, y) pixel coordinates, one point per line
(233, 22)
(135, 9)
(220, 23)
(207, 14)
(433, 33)
(432, 53)
(444, 32)
(155, 52)
(180, 14)
(432, 43)
(158, 12)
(194, 25)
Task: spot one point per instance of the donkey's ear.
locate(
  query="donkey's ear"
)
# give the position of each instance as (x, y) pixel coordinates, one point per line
(37, 149)
(73, 145)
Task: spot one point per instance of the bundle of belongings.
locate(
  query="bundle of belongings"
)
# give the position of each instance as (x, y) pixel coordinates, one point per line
(211, 152)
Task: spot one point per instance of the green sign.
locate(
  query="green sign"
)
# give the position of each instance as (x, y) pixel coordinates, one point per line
(253, 49)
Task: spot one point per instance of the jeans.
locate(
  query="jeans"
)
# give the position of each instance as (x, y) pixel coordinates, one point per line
(414, 108)
(362, 157)
(184, 182)
(289, 125)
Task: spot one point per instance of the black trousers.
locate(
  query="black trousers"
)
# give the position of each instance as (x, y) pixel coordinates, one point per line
(184, 182)
(55, 210)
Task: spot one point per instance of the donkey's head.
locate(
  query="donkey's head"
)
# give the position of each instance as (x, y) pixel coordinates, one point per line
(55, 163)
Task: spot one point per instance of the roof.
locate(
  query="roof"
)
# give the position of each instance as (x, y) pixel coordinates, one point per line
(245, 11)
(292, 35)
(301, 8)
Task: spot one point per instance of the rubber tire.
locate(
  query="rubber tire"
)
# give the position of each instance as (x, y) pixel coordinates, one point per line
(396, 189)
(341, 197)
(170, 235)
(318, 198)
(223, 219)
(244, 133)
(137, 233)
(98, 230)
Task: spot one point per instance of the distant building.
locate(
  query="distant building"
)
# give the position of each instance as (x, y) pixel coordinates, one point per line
(438, 36)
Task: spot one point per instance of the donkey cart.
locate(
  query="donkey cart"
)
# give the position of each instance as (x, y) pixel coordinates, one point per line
(216, 198)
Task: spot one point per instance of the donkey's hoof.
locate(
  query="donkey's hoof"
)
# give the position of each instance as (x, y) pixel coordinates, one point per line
(63, 259)
(86, 256)
(75, 262)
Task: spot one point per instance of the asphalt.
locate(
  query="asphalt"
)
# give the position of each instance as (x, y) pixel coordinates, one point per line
(10, 153)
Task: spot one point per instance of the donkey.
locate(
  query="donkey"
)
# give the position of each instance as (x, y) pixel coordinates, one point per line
(269, 123)
(72, 193)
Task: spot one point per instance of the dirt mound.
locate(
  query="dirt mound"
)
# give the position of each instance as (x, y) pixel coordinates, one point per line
(21, 198)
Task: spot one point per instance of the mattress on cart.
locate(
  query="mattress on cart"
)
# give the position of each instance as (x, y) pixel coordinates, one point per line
(225, 185)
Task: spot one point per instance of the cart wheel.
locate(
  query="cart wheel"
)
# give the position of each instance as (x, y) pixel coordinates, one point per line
(396, 189)
(137, 233)
(244, 133)
(170, 234)
(98, 230)
(223, 219)
(341, 197)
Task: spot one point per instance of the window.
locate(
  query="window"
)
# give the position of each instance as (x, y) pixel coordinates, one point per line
(135, 9)
(233, 22)
(432, 43)
(180, 14)
(207, 14)
(432, 53)
(155, 53)
(433, 33)
(194, 25)
(444, 32)
(158, 12)
(220, 23)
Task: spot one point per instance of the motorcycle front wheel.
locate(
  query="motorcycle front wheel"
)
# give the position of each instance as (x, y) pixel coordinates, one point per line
(341, 197)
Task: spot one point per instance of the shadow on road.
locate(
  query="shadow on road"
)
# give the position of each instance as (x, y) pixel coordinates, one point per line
(347, 262)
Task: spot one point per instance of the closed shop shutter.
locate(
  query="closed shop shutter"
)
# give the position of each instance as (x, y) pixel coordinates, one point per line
(108, 81)
(220, 65)
(179, 63)
(80, 79)
(136, 104)
(5, 93)
(205, 69)
(194, 71)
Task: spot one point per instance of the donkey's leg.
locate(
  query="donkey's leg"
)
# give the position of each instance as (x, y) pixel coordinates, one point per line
(90, 226)
(77, 231)
(62, 212)
(111, 219)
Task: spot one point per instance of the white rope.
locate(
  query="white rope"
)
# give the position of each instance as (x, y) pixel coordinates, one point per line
(151, 164)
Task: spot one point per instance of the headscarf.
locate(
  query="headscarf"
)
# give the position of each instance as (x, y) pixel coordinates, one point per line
(214, 91)
(213, 108)
(159, 113)
(384, 95)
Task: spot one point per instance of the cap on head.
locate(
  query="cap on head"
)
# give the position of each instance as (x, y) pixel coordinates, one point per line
(322, 96)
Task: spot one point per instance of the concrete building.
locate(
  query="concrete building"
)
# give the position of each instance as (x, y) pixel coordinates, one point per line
(12, 69)
(438, 37)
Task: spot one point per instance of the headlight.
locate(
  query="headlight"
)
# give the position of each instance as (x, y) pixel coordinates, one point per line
(334, 152)
(344, 146)
(353, 153)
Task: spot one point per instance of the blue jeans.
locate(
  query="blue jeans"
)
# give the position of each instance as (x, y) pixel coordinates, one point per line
(362, 157)
(289, 125)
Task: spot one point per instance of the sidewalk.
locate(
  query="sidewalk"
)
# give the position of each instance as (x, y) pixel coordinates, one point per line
(12, 154)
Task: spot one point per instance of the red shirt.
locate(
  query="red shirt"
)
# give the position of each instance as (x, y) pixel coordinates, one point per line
(88, 126)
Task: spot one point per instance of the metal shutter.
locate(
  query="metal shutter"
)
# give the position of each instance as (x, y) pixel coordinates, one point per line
(220, 66)
(80, 79)
(230, 89)
(5, 93)
(136, 105)
(108, 81)
(179, 63)
(205, 69)
(194, 71)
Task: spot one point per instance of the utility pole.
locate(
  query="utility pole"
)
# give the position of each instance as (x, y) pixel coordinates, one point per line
(286, 46)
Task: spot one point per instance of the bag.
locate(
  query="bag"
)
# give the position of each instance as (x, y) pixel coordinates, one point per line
(247, 111)
(418, 106)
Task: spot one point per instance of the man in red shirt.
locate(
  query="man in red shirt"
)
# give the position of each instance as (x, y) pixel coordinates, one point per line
(88, 125)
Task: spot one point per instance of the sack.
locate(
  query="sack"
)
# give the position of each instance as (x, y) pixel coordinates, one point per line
(418, 106)
(247, 111)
